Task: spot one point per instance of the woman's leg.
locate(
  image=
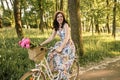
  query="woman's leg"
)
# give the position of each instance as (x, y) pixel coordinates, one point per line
(50, 59)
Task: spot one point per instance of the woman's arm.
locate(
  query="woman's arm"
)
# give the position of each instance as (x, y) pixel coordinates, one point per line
(50, 38)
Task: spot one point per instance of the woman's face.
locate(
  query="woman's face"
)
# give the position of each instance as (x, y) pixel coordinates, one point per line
(60, 18)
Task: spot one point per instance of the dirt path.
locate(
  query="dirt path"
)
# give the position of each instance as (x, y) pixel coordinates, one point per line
(106, 70)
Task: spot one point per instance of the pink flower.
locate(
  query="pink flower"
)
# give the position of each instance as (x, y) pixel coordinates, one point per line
(25, 43)
(22, 44)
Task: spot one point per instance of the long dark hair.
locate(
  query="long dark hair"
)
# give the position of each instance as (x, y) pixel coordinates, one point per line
(55, 23)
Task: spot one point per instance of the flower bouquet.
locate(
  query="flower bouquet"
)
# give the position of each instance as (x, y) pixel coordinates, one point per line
(36, 53)
(26, 43)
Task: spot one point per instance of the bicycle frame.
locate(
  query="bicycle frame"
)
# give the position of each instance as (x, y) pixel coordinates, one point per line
(42, 70)
(47, 70)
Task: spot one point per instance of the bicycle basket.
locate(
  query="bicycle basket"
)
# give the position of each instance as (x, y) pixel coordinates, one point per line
(37, 53)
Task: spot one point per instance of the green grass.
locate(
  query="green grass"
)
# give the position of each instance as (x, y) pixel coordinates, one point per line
(14, 60)
(98, 47)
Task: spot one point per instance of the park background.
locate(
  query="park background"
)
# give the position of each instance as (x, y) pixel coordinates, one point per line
(95, 26)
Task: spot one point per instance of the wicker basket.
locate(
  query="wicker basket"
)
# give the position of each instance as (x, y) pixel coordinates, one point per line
(37, 53)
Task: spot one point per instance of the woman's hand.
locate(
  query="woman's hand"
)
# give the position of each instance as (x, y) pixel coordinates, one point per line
(59, 49)
(51, 55)
(39, 44)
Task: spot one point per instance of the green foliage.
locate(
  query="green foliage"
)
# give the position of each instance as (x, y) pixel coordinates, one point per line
(7, 18)
(32, 12)
(6, 22)
(14, 61)
(99, 47)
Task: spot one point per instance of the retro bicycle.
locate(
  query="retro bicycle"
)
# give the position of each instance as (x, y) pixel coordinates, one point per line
(42, 69)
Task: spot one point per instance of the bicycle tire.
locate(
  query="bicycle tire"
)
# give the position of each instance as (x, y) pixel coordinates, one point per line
(28, 75)
(74, 71)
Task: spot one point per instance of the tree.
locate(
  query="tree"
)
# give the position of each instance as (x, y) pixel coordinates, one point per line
(17, 16)
(107, 17)
(114, 19)
(76, 32)
(56, 5)
(0, 22)
(61, 5)
(41, 15)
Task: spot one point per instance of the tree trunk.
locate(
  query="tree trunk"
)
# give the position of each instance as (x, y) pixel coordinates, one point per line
(76, 29)
(114, 19)
(56, 5)
(97, 30)
(0, 22)
(61, 5)
(41, 15)
(107, 24)
(17, 17)
(92, 24)
(107, 18)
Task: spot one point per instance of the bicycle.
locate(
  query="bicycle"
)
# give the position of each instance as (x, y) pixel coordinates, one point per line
(42, 69)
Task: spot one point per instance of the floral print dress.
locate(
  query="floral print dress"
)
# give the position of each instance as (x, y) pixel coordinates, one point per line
(65, 58)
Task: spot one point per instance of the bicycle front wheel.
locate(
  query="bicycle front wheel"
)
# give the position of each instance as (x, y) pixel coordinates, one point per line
(30, 75)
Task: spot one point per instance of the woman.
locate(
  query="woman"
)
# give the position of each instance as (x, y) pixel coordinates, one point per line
(63, 53)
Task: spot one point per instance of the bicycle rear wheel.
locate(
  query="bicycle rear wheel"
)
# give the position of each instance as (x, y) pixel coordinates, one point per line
(29, 76)
(74, 71)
